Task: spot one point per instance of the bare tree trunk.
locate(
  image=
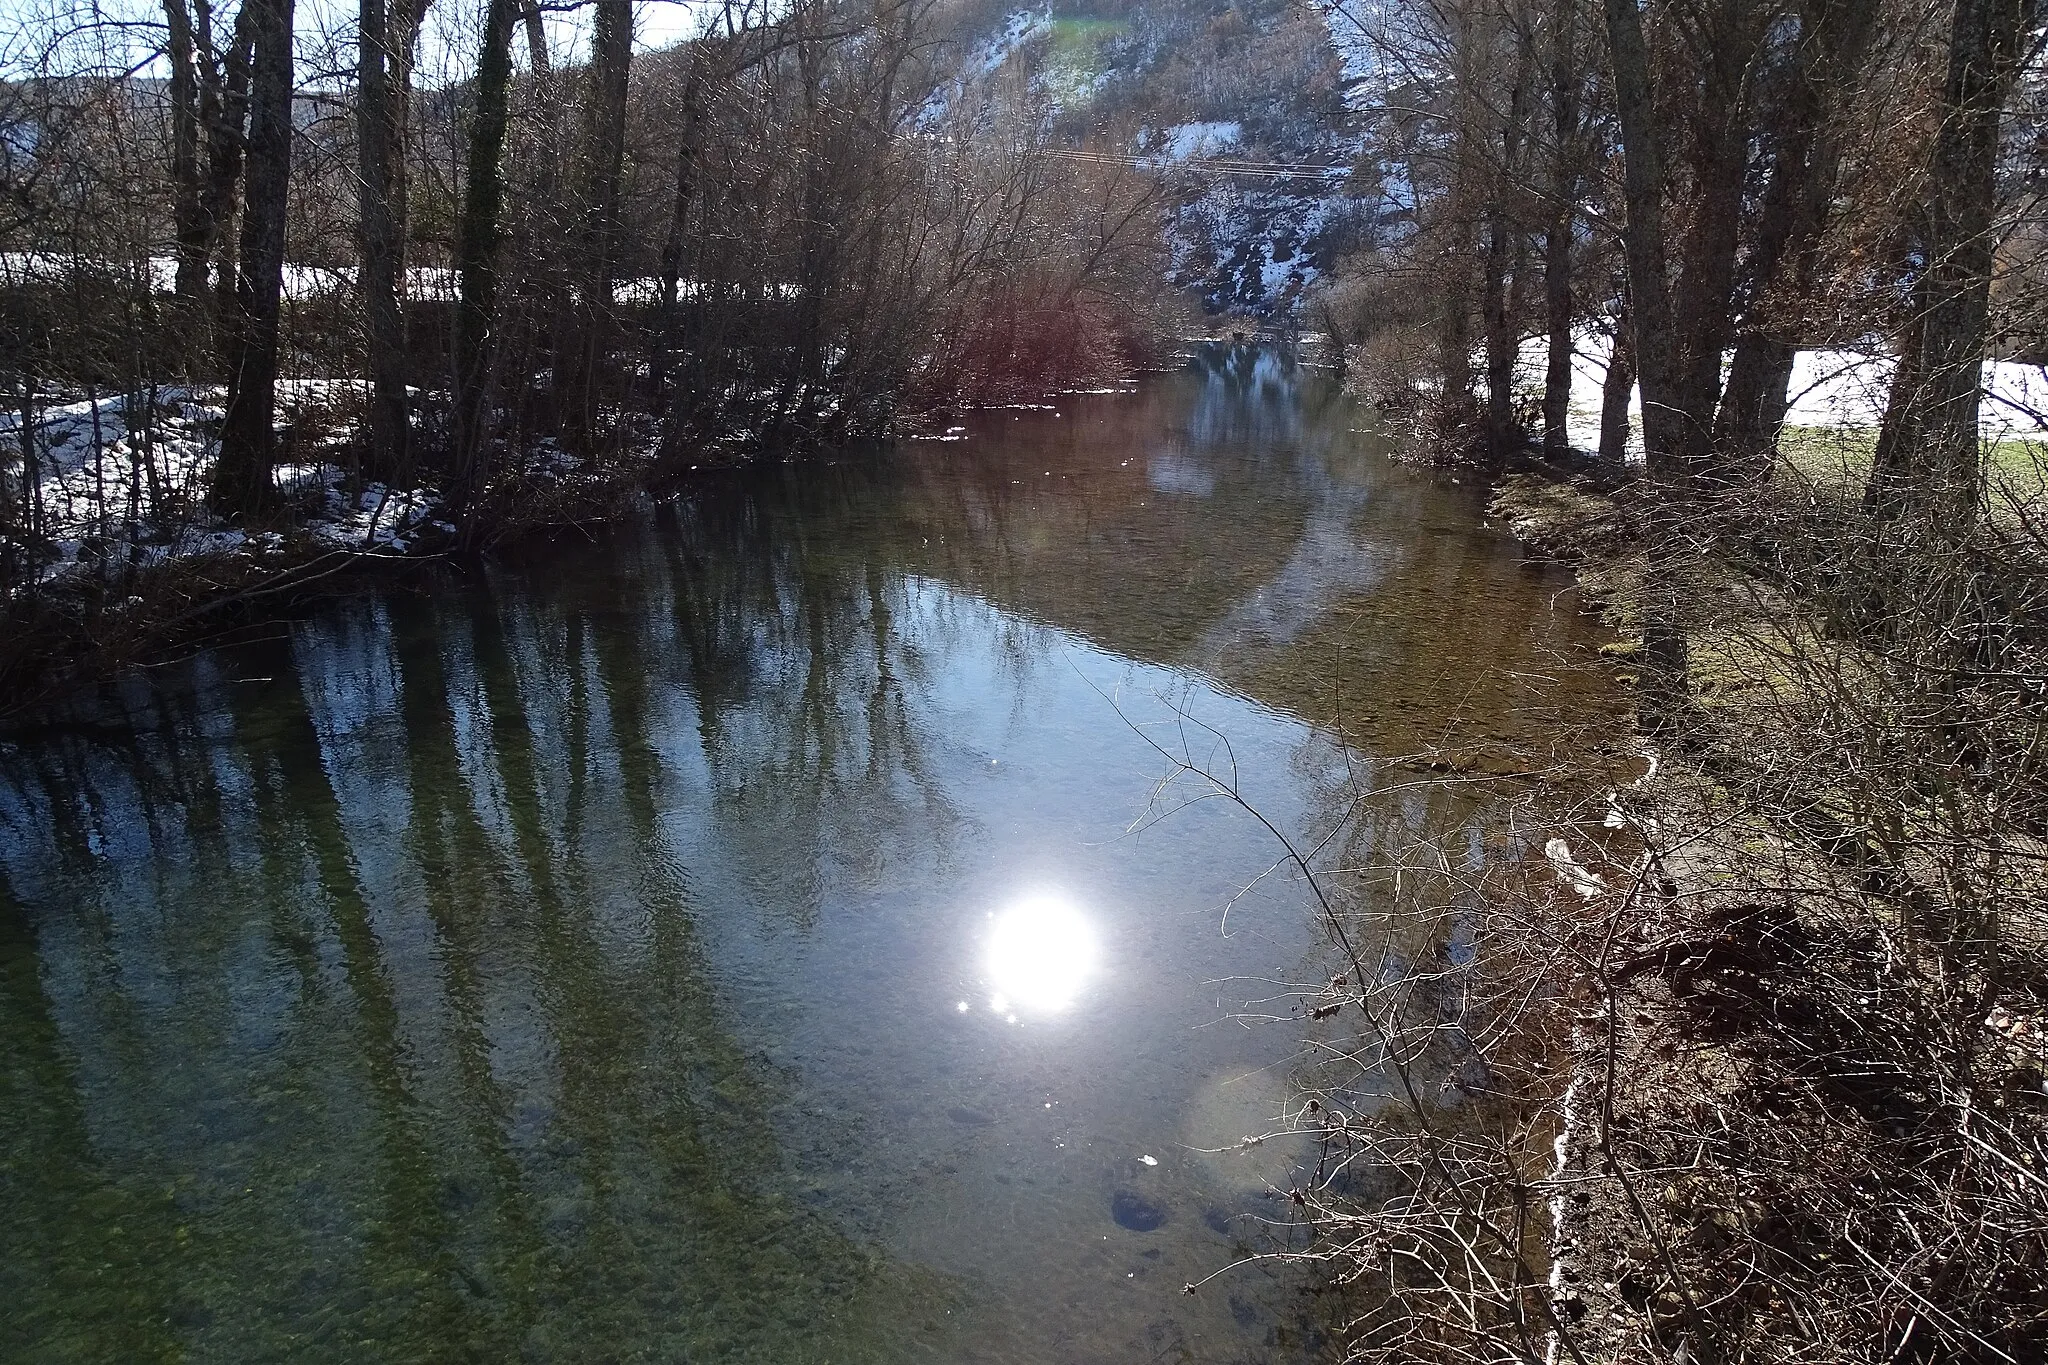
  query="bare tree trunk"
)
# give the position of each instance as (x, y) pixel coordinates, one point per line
(1454, 324)
(536, 38)
(1753, 406)
(1500, 337)
(818, 242)
(1703, 290)
(1557, 237)
(1616, 390)
(1666, 442)
(223, 105)
(478, 236)
(1797, 202)
(1454, 335)
(1753, 401)
(384, 79)
(860, 376)
(188, 227)
(241, 480)
(687, 133)
(611, 63)
(1927, 450)
(1503, 236)
(604, 149)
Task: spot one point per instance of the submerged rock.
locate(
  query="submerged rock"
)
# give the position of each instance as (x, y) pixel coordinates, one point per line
(1134, 1211)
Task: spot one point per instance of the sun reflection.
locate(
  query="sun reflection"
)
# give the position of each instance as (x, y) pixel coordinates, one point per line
(1041, 951)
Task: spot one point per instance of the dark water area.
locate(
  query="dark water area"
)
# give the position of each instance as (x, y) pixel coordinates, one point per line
(755, 934)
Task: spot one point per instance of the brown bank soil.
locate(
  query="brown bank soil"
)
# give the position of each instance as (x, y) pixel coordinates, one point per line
(1799, 1125)
(1641, 1068)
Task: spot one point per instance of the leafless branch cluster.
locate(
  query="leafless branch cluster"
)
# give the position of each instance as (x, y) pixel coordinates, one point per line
(430, 271)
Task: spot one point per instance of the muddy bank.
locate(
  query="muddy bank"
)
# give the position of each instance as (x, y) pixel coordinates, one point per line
(1804, 1111)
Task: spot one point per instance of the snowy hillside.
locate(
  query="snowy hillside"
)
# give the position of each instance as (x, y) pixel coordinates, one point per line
(1244, 111)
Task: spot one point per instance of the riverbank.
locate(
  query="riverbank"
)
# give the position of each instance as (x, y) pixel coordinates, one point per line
(1805, 1111)
(153, 589)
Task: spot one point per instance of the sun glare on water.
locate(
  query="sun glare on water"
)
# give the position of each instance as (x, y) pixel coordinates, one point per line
(1041, 952)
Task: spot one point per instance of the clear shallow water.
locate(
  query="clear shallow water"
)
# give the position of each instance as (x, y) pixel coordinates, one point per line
(620, 957)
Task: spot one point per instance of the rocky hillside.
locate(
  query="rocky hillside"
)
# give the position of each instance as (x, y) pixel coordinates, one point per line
(1242, 105)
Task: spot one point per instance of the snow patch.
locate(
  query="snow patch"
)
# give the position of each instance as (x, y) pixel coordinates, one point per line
(123, 481)
(1838, 389)
(1185, 141)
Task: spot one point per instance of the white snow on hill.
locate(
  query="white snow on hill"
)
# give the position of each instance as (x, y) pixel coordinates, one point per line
(1185, 141)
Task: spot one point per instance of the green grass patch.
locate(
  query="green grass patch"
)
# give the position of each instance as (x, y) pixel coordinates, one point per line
(1837, 460)
(1073, 58)
(1077, 36)
(1830, 458)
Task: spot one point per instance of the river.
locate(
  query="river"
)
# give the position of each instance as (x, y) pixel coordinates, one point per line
(759, 931)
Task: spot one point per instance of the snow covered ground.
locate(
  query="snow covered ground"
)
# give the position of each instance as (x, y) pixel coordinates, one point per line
(305, 283)
(1838, 389)
(989, 56)
(122, 472)
(1848, 388)
(1185, 140)
(302, 283)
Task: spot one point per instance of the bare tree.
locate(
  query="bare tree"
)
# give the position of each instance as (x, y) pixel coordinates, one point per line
(385, 37)
(601, 167)
(1804, 139)
(241, 482)
(189, 227)
(478, 238)
(1927, 451)
(1506, 244)
(1567, 172)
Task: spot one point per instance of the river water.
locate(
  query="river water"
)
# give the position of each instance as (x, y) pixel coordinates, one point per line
(759, 932)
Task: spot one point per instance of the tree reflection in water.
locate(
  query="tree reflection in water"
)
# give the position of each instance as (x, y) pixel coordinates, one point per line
(567, 963)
